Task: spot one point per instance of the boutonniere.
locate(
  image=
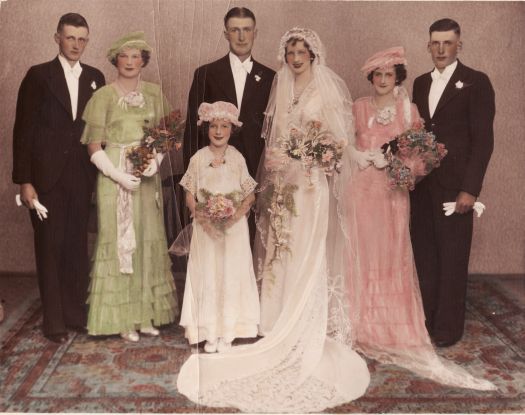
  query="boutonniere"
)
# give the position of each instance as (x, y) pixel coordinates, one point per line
(93, 85)
(258, 76)
(459, 85)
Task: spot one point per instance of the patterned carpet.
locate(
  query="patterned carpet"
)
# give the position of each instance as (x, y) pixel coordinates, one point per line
(109, 375)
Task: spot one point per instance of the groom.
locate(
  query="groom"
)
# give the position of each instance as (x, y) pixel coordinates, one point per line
(238, 79)
(457, 104)
(53, 168)
(235, 78)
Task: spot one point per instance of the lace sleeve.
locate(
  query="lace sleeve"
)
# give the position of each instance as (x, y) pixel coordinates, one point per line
(189, 180)
(248, 184)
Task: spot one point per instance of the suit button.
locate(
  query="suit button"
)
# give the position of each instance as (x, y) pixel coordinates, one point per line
(66, 151)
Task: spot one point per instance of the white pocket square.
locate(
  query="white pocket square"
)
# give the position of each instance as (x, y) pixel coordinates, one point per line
(93, 85)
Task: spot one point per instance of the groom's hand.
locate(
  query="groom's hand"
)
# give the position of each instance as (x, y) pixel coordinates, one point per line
(464, 202)
(27, 195)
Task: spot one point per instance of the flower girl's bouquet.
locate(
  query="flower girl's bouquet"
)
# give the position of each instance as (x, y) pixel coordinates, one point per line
(218, 208)
(411, 156)
(157, 140)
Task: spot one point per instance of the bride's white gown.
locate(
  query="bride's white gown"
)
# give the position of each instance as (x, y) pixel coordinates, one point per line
(297, 366)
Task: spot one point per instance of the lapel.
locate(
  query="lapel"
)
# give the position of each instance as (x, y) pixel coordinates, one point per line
(425, 91)
(450, 90)
(227, 84)
(58, 85)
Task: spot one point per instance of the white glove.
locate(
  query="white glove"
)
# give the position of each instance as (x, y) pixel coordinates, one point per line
(127, 181)
(450, 207)
(362, 158)
(41, 210)
(154, 164)
(379, 160)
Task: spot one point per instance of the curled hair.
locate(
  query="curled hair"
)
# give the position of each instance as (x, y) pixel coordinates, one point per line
(401, 74)
(72, 19)
(146, 55)
(292, 42)
(238, 12)
(205, 128)
(444, 25)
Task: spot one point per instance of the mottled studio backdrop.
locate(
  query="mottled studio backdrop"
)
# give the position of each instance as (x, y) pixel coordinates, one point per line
(186, 34)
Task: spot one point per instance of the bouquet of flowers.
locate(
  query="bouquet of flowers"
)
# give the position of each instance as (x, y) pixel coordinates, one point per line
(314, 147)
(218, 208)
(160, 139)
(411, 156)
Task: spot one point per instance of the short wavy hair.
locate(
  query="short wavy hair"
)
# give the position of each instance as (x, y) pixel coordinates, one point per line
(401, 74)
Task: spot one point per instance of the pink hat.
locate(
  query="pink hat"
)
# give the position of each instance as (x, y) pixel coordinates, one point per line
(385, 59)
(219, 110)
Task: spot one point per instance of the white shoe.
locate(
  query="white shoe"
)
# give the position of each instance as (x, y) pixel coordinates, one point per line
(149, 331)
(223, 346)
(130, 336)
(210, 347)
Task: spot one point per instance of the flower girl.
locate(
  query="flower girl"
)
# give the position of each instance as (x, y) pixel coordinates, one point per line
(221, 300)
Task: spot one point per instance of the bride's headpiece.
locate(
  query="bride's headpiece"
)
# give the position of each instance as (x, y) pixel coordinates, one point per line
(307, 35)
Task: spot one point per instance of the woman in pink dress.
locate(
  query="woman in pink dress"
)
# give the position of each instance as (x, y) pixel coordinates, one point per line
(387, 315)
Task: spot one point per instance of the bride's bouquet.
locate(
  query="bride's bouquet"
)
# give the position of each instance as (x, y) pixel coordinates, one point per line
(159, 139)
(411, 156)
(314, 147)
(218, 208)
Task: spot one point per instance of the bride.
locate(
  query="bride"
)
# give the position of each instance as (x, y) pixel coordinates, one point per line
(305, 361)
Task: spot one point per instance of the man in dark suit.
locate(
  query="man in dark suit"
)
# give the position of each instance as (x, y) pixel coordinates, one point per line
(238, 79)
(457, 104)
(53, 168)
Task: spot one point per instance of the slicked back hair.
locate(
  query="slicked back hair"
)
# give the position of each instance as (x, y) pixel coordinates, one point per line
(444, 25)
(239, 12)
(72, 19)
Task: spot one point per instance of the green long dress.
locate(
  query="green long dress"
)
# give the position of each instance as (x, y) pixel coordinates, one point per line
(119, 302)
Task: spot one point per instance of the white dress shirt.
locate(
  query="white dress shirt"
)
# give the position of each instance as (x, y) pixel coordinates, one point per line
(240, 72)
(72, 75)
(439, 82)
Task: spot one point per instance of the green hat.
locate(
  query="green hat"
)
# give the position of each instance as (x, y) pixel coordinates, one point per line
(134, 40)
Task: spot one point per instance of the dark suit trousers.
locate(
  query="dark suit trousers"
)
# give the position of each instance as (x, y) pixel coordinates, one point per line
(441, 247)
(61, 249)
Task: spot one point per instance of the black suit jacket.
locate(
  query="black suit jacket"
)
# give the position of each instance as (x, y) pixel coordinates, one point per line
(45, 134)
(463, 121)
(214, 82)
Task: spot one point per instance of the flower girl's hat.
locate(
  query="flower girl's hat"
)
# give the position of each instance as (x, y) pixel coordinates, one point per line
(219, 110)
(134, 40)
(385, 59)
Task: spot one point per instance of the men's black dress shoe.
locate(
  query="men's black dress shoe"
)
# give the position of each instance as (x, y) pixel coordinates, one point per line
(57, 338)
(445, 343)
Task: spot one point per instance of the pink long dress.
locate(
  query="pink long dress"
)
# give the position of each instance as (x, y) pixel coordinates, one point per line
(387, 314)
(390, 314)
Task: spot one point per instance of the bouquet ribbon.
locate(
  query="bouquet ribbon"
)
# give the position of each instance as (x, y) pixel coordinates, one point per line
(126, 242)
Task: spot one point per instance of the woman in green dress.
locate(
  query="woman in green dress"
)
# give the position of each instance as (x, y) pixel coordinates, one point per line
(131, 289)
